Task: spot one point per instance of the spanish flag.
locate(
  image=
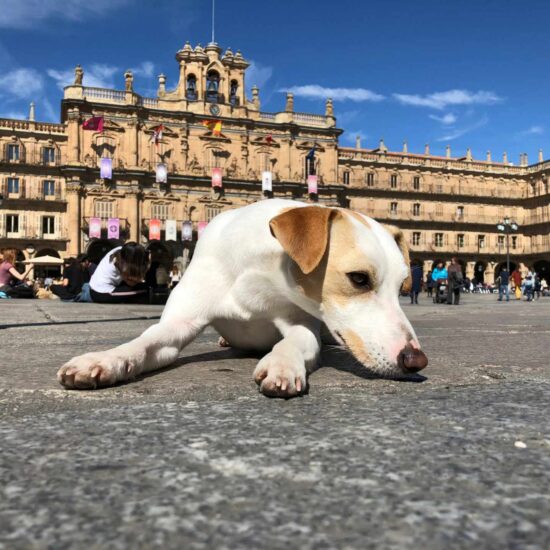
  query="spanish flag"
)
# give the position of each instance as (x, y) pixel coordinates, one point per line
(215, 126)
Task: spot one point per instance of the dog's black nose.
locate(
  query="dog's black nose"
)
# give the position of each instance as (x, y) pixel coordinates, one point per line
(412, 359)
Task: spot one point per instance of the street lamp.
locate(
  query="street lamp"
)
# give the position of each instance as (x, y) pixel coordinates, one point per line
(507, 227)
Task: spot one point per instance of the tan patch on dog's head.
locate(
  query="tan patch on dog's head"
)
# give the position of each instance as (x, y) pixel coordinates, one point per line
(356, 346)
(402, 244)
(303, 233)
(358, 217)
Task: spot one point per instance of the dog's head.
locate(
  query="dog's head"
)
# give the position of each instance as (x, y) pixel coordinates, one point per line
(354, 268)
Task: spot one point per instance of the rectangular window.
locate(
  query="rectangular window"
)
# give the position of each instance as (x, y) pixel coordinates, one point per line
(48, 155)
(501, 241)
(416, 238)
(160, 211)
(514, 242)
(439, 188)
(481, 241)
(438, 240)
(460, 212)
(13, 186)
(416, 183)
(460, 240)
(346, 178)
(393, 208)
(416, 209)
(12, 223)
(103, 209)
(13, 152)
(393, 181)
(212, 212)
(439, 210)
(48, 225)
(370, 179)
(48, 186)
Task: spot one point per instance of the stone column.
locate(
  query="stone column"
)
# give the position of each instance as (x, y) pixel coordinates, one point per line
(134, 217)
(133, 133)
(73, 131)
(470, 273)
(74, 217)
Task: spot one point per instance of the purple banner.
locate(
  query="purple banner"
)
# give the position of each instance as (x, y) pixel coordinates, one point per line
(106, 169)
(113, 228)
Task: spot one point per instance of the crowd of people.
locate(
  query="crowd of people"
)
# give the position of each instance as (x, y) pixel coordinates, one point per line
(452, 280)
(124, 275)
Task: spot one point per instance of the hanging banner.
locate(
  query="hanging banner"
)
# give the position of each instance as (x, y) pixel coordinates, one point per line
(267, 181)
(154, 230)
(113, 228)
(217, 177)
(187, 231)
(95, 228)
(201, 228)
(312, 185)
(161, 173)
(106, 169)
(171, 230)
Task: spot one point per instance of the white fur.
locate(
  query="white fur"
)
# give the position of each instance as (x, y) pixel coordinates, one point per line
(239, 283)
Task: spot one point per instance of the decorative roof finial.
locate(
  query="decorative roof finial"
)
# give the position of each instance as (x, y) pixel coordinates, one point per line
(405, 147)
(448, 151)
(31, 111)
(489, 156)
(289, 107)
(541, 156)
(427, 149)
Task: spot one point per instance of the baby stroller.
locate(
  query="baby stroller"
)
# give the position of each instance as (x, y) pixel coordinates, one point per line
(441, 291)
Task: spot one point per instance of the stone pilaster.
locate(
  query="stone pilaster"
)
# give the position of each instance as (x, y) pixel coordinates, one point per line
(74, 218)
(73, 131)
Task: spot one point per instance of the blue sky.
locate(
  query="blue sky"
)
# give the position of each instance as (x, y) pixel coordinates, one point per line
(465, 73)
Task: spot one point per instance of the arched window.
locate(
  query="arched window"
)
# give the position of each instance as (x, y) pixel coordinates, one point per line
(233, 89)
(212, 86)
(191, 88)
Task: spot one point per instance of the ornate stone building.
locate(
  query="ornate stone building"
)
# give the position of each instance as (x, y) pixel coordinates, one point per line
(53, 190)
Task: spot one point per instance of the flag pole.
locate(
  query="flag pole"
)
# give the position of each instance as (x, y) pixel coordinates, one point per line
(213, 9)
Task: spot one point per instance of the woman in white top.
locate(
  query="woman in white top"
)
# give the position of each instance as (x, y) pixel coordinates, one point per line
(120, 275)
(175, 275)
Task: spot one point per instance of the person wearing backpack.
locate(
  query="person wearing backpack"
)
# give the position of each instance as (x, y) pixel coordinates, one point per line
(456, 279)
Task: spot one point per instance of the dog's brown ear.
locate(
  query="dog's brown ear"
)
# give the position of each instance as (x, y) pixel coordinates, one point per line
(402, 244)
(303, 233)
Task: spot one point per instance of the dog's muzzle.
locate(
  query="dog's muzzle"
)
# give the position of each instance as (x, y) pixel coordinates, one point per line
(411, 359)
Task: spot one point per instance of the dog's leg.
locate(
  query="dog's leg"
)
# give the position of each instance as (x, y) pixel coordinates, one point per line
(157, 347)
(283, 371)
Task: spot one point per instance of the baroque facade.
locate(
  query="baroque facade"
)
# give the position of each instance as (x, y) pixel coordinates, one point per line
(51, 184)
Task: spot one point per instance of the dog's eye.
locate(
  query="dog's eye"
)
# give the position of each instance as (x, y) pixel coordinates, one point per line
(360, 279)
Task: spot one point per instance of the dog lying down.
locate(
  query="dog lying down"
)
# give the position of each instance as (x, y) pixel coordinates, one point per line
(266, 276)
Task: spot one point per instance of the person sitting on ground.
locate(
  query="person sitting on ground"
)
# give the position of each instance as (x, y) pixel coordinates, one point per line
(74, 276)
(11, 281)
(119, 277)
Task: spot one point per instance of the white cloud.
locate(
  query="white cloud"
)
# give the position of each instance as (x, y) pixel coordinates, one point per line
(441, 100)
(29, 13)
(314, 91)
(98, 75)
(258, 74)
(21, 84)
(460, 132)
(533, 131)
(145, 69)
(351, 136)
(446, 119)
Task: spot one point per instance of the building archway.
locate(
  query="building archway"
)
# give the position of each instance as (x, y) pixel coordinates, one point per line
(479, 271)
(542, 269)
(97, 248)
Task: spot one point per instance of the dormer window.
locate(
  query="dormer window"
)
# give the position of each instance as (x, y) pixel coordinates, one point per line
(233, 98)
(191, 89)
(212, 86)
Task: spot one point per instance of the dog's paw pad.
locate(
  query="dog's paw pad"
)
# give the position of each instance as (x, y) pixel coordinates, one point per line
(223, 343)
(83, 373)
(280, 380)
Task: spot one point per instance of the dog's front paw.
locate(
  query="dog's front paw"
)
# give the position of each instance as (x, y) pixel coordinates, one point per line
(94, 370)
(280, 376)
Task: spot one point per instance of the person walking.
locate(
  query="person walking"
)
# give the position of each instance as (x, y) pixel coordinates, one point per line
(454, 275)
(416, 277)
(429, 284)
(516, 278)
(503, 281)
(528, 286)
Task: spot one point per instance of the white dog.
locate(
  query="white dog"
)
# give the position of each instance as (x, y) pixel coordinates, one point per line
(266, 277)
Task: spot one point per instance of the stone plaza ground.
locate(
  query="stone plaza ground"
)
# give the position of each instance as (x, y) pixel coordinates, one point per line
(195, 457)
